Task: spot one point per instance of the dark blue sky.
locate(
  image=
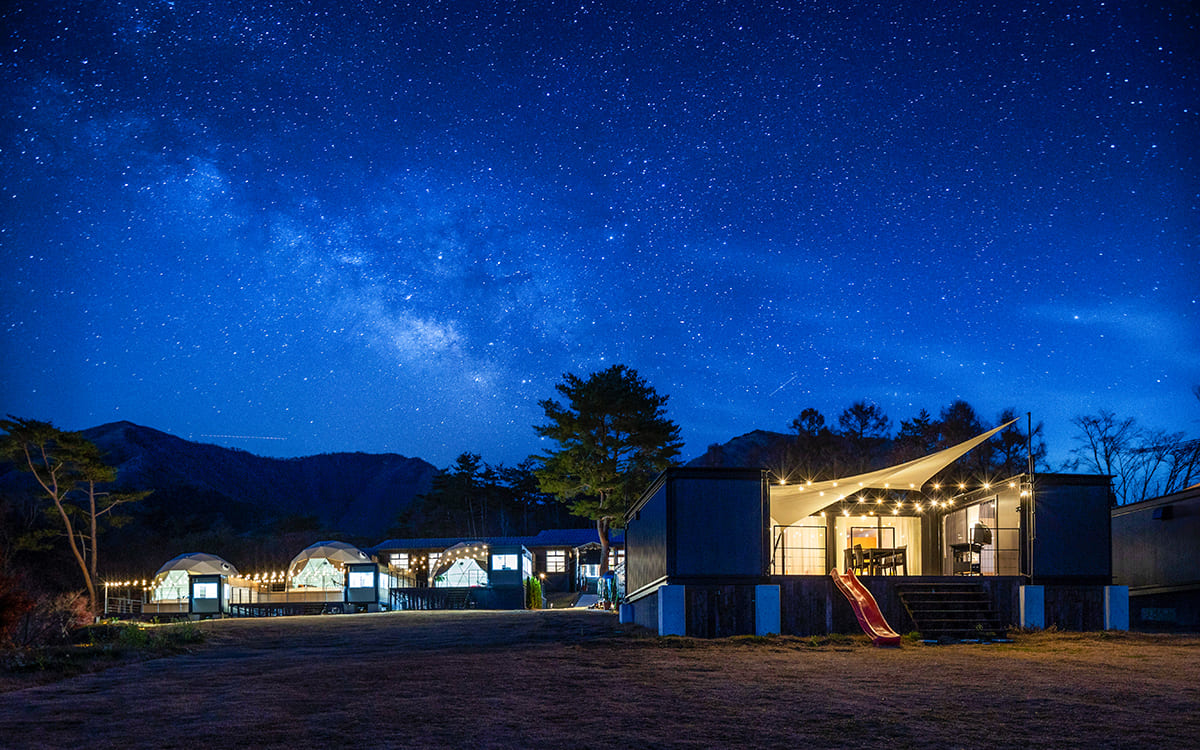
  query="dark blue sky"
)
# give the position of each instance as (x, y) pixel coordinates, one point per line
(326, 227)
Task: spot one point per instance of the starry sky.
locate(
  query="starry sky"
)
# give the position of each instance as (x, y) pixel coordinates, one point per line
(304, 227)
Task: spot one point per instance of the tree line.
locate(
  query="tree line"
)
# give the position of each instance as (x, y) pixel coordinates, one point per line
(475, 499)
(862, 439)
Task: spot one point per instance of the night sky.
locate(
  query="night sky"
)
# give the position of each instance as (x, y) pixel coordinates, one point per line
(305, 227)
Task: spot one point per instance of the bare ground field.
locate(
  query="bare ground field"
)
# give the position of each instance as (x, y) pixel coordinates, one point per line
(578, 679)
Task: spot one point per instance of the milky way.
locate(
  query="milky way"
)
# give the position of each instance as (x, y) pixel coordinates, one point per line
(311, 227)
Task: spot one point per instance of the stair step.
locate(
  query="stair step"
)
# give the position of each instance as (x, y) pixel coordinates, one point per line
(951, 610)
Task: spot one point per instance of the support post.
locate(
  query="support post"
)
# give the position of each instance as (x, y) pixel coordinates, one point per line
(1116, 608)
(766, 610)
(1033, 607)
(672, 610)
(625, 613)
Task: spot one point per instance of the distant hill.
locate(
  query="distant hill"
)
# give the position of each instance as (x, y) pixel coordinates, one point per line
(354, 493)
(755, 449)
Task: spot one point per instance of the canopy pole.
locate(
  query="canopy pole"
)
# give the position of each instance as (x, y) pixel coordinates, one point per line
(1029, 442)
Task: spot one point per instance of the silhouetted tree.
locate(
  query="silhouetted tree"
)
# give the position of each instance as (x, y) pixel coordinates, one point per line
(816, 452)
(1011, 447)
(865, 427)
(959, 422)
(71, 474)
(1143, 463)
(917, 437)
(612, 437)
(810, 422)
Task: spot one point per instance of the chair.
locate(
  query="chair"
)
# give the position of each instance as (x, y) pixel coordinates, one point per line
(895, 558)
(859, 563)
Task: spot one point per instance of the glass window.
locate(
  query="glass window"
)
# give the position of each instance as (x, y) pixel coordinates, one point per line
(362, 579)
(504, 562)
(800, 550)
(204, 590)
(556, 561)
(400, 560)
(615, 557)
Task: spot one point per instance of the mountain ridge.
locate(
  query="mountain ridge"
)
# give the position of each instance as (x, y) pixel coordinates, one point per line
(353, 492)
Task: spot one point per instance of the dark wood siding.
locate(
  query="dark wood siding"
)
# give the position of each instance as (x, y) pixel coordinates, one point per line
(1072, 540)
(719, 523)
(646, 541)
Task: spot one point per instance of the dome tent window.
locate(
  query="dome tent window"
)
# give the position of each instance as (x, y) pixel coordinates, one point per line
(318, 573)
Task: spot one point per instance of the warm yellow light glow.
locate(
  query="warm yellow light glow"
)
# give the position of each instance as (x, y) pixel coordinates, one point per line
(987, 485)
(846, 513)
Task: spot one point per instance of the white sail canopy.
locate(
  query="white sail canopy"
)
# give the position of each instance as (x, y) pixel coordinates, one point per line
(790, 503)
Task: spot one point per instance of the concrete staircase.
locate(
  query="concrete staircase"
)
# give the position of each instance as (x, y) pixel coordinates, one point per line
(951, 611)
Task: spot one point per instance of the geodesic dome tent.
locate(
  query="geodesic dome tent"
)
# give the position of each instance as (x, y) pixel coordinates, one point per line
(323, 565)
(171, 580)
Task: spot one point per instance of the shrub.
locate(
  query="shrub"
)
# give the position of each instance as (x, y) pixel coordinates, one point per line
(533, 594)
(15, 602)
(51, 619)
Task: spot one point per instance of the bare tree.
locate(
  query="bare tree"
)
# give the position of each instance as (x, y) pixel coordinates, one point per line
(1143, 463)
(1104, 448)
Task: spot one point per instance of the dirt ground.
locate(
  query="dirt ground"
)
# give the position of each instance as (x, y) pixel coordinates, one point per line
(578, 679)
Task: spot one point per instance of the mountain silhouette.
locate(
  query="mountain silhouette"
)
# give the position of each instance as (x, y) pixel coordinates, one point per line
(355, 493)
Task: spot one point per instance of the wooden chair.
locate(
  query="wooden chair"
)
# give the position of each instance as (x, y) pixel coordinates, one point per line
(859, 562)
(895, 559)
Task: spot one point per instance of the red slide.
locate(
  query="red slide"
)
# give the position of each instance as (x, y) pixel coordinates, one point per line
(865, 609)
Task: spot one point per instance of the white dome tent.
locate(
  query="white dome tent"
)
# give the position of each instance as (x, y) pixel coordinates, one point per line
(462, 565)
(170, 583)
(323, 565)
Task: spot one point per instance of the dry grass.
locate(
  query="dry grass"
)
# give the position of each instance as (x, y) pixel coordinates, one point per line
(577, 679)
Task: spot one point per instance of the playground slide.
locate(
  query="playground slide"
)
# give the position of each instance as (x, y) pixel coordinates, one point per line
(865, 609)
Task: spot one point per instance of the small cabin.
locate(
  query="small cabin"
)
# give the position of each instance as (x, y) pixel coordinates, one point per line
(1156, 553)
